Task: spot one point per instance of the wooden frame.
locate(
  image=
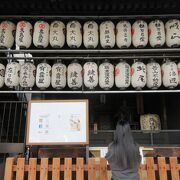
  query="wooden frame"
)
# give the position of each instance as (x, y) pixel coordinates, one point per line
(57, 143)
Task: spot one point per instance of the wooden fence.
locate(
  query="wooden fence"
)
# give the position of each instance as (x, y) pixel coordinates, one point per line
(17, 169)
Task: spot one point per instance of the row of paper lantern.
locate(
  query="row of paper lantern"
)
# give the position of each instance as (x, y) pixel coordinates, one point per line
(122, 35)
(122, 75)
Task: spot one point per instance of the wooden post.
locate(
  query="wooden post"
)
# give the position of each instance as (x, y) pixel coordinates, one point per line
(68, 169)
(174, 170)
(162, 168)
(80, 168)
(8, 174)
(44, 169)
(103, 169)
(150, 168)
(32, 169)
(140, 173)
(20, 169)
(91, 169)
(56, 169)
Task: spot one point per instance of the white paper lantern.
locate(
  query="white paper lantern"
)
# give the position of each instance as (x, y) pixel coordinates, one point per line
(156, 33)
(122, 75)
(74, 75)
(12, 74)
(172, 33)
(154, 79)
(123, 34)
(107, 34)
(106, 75)
(140, 34)
(57, 34)
(170, 74)
(7, 33)
(24, 34)
(138, 75)
(90, 70)
(27, 75)
(2, 74)
(43, 75)
(90, 34)
(41, 34)
(58, 79)
(179, 72)
(74, 34)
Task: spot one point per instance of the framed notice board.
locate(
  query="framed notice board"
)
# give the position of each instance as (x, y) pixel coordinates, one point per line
(57, 122)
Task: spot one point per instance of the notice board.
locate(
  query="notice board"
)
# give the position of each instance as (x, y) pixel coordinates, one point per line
(59, 122)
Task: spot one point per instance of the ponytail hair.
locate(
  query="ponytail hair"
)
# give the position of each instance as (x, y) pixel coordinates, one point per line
(123, 151)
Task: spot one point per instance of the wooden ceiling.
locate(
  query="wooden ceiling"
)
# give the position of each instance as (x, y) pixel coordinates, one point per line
(88, 7)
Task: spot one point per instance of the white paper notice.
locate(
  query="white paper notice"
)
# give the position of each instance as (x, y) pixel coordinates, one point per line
(57, 122)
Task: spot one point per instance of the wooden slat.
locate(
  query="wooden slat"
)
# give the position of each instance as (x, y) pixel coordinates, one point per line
(103, 169)
(56, 169)
(32, 169)
(44, 169)
(141, 173)
(174, 171)
(80, 168)
(20, 169)
(91, 169)
(150, 168)
(8, 174)
(68, 169)
(162, 168)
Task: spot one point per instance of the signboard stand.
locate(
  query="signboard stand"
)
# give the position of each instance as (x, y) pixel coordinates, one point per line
(57, 129)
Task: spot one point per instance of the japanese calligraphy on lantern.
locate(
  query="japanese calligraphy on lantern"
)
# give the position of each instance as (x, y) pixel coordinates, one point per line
(58, 79)
(170, 74)
(123, 34)
(12, 74)
(173, 33)
(122, 75)
(43, 75)
(107, 34)
(57, 34)
(27, 75)
(24, 34)
(153, 75)
(140, 34)
(2, 75)
(106, 75)
(90, 34)
(138, 75)
(41, 34)
(90, 70)
(156, 33)
(74, 75)
(7, 32)
(73, 35)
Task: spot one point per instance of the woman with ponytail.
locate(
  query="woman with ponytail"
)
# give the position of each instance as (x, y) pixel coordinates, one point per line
(123, 153)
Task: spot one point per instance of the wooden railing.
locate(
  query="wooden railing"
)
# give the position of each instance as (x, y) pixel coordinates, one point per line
(19, 170)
